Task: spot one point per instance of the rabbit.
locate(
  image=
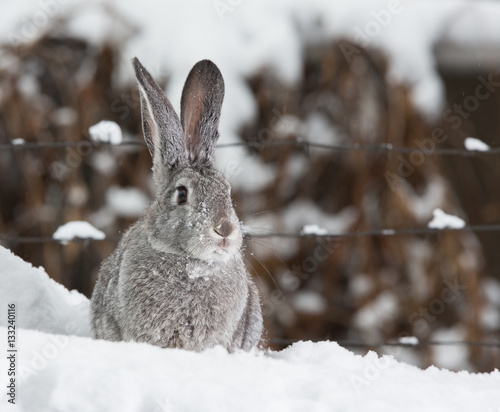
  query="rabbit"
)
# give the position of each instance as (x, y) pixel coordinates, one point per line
(177, 277)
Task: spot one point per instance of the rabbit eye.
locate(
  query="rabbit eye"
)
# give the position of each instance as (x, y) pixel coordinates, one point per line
(182, 195)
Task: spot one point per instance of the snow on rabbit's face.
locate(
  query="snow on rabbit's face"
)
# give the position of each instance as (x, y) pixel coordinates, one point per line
(195, 217)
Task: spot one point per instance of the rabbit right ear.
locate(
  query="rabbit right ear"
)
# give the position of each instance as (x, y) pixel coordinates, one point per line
(161, 126)
(201, 105)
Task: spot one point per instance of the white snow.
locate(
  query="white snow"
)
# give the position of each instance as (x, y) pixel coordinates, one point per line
(59, 368)
(471, 143)
(441, 220)
(310, 302)
(316, 128)
(106, 131)
(41, 302)
(103, 162)
(409, 340)
(313, 230)
(77, 229)
(360, 285)
(65, 116)
(127, 202)
(28, 85)
(295, 217)
(258, 35)
(450, 356)
(299, 215)
(491, 290)
(422, 204)
(375, 314)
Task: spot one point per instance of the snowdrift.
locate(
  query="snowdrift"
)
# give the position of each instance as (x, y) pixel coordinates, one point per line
(60, 368)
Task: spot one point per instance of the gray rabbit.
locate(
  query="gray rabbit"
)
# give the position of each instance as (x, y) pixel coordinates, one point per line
(177, 278)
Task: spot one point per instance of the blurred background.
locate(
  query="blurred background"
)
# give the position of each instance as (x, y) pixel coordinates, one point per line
(349, 117)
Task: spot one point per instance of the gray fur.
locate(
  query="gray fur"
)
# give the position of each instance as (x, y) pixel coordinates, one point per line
(201, 104)
(177, 278)
(160, 125)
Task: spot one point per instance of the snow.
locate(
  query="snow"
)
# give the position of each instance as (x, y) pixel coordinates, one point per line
(65, 116)
(127, 202)
(301, 213)
(419, 252)
(106, 131)
(490, 315)
(450, 356)
(375, 314)
(318, 129)
(310, 302)
(471, 143)
(28, 85)
(103, 162)
(297, 215)
(313, 230)
(421, 204)
(259, 35)
(237, 164)
(60, 368)
(77, 229)
(409, 340)
(41, 302)
(361, 285)
(441, 220)
(491, 290)
(54, 334)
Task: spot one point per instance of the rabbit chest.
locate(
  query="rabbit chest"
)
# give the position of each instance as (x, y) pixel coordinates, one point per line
(188, 303)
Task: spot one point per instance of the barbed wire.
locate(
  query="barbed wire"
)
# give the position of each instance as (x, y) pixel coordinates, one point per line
(418, 344)
(381, 232)
(248, 234)
(302, 143)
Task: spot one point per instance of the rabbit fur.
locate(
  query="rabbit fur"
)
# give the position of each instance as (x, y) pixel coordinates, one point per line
(177, 278)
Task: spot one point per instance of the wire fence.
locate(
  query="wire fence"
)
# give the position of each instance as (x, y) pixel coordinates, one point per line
(300, 143)
(411, 343)
(250, 233)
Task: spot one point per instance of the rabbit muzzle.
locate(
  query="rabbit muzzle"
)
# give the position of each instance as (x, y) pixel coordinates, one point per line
(224, 228)
(223, 231)
(226, 235)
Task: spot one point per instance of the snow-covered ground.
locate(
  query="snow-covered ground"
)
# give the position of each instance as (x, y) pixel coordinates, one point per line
(60, 368)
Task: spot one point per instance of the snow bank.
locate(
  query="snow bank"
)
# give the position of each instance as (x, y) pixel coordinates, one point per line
(85, 375)
(58, 371)
(41, 302)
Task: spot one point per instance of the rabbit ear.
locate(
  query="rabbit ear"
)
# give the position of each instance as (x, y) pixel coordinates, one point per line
(160, 124)
(201, 105)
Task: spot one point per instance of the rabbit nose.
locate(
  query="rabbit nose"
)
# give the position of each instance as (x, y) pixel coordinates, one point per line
(224, 228)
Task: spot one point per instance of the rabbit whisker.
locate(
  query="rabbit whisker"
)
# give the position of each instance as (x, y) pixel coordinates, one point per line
(265, 211)
(269, 246)
(255, 272)
(268, 272)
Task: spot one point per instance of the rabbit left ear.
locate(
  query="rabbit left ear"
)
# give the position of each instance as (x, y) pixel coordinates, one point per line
(201, 105)
(161, 127)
